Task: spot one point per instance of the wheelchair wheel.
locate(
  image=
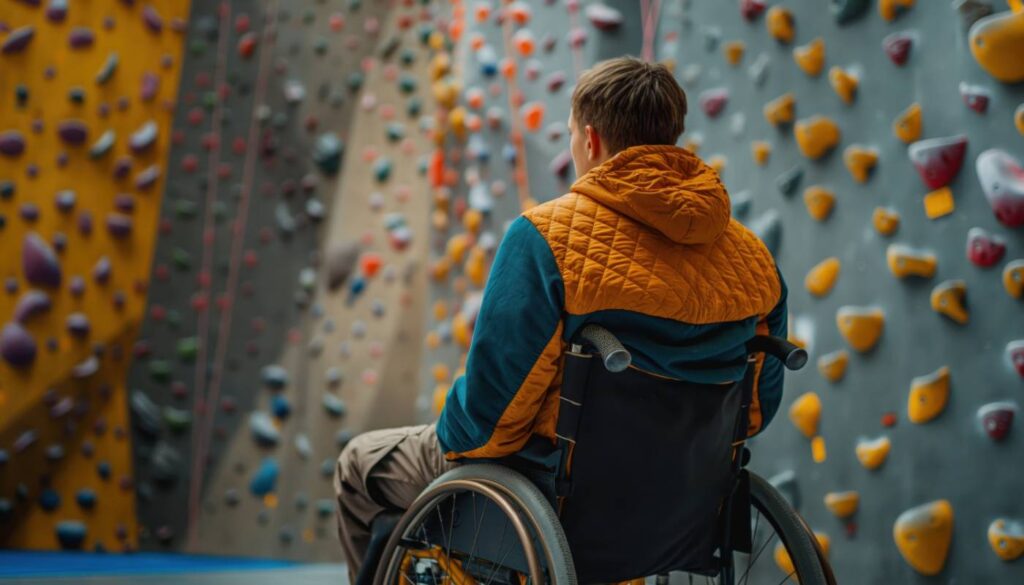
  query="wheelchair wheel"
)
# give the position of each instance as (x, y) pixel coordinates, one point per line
(482, 524)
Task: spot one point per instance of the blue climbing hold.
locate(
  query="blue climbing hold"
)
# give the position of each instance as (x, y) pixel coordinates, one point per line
(71, 534)
(265, 478)
(86, 498)
(280, 406)
(49, 500)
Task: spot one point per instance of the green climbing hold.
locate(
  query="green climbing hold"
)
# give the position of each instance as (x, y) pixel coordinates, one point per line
(407, 84)
(185, 209)
(414, 107)
(181, 259)
(160, 370)
(395, 131)
(177, 420)
(382, 169)
(76, 95)
(108, 69)
(188, 348)
(327, 153)
(355, 81)
(847, 11)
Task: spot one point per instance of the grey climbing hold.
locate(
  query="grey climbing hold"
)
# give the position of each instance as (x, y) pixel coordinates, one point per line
(275, 377)
(108, 69)
(789, 181)
(341, 261)
(971, 11)
(101, 270)
(846, 11)
(758, 69)
(57, 10)
(65, 200)
(343, 437)
(286, 222)
(741, 203)
(786, 483)
(165, 463)
(334, 406)
(145, 414)
(768, 227)
(142, 139)
(18, 40)
(147, 177)
(303, 446)
(78, 325)
(263, 429)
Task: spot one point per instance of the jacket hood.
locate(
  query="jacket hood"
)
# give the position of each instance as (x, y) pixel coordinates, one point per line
(665, 188)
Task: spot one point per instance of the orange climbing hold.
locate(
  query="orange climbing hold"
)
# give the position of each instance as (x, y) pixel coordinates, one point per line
(810, 58)
(524, 42)
(806, 413)
(822, 277)
(907, 126)
(886, 220)
(472, 220)
(832, 366)
(816, 136)
(923, 535)
(780, 24)
(860, 161)
(734, 51)
(781, 110)
(476, 266)
(519, 12)
(819, 202)
(785, 563)
(890, 9)
(461, 330)
(1006, 538)
(456, 248)
(440, 310)
(1013, 278)
(939, 203)
(370, 264)
(533, 116)
(761, 151)
(818, 451)
(440, 372)
(860, 326)
(1018, 119)
(717, 162)
(843, 83)
(928, 396)
(842, 504)
(905, 261)
(997, 42)
(872, 453)
(949, 298)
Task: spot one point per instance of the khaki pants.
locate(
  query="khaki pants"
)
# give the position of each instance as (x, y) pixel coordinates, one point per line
(382, 470)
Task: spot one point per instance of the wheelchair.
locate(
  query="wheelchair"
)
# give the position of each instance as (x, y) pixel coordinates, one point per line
(647, 480)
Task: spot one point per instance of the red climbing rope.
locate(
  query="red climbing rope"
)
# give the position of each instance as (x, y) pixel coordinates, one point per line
(576, 50)
(650, 11)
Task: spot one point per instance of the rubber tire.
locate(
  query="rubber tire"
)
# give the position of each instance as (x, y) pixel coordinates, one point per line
(552, 544)
(795, 534)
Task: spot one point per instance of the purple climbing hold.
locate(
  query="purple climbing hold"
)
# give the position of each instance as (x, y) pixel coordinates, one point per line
(996, 418)
(33, 302)
(897, 46)
(76, 286)
(39, 262)
(983, 248)
(713, 101)
(65, 201)
(147, 177)
(149, 86)
(11, 285)
(57, 10)
(154, 22)
(29, 211)
(976, 97)
(561, 163)
(78, 325)
(119, 225)
(81, 37)
(18, 40)
(1002, 179)
(122, 167)
(555, 81)
(124, 202)
(12, 143)
(938, 160)
(85, 222)
(60, 242)
(142, 139)
(16, 345)
(101, 271)
(73, 132)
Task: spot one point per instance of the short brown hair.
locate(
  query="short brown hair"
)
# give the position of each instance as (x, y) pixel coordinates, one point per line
(630, 102)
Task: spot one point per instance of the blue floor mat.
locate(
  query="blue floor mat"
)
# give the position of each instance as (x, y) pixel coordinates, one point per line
(80, 564)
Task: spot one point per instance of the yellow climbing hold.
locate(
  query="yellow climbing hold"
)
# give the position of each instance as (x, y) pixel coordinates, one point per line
(886, 220)
(433, 340)
(997, 42)
(761, 151)
(860, 160)
(816, 136)
(1013, 278)
(928, 396)
(734, 51)
(457, 247)
(907, 126)
(717, 162)
(472, 220)
(819, 202)
(905, 261)
(476, 266)
(440, 310)
(822, 277)
(1006, 538)
(939, 203)
(843, 83)
(832, 366)
(842, 504)
(805, 413)
(781, 110)
(872, 453)
(461, 331)
(889, 9)
(780, 24)
(949, 298)
(860, 326)
(440, 396)
(818, 451)
(440, 372)
(1018, 119)
(810, 58)
(785, 563)
(923, 535)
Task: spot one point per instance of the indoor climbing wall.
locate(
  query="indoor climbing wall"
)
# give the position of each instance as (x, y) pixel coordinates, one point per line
(86, 100)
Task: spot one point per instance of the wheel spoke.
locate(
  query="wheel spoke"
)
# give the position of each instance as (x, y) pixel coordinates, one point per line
(504, 528)
(755, 557)
(476, 531)
(786, 578)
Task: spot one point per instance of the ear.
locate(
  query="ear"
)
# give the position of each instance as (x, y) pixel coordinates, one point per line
(594, 146)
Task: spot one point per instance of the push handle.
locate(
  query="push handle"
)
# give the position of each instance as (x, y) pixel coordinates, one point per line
(615, 357)
(792, 356)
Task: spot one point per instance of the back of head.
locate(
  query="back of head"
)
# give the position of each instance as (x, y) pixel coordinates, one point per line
(630, 102)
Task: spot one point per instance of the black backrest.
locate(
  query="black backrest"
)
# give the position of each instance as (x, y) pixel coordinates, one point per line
(649, 467)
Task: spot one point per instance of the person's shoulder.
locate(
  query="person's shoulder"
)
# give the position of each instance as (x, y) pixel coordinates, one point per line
(557, 211)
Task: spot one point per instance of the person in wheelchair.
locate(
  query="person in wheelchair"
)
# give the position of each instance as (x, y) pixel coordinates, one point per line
(643, 244)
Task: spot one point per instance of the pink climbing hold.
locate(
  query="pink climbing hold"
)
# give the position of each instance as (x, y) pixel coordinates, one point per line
(1002, 179)
(976, 97)
(39, 261)
(897, 46)
(983, 248)
(751, 9)
(996, 419)
(713, 101)
(938, 160)
(603, 17)
(154, 22)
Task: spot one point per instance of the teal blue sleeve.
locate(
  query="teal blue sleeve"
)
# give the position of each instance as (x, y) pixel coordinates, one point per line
(514, 353)
(769, 384)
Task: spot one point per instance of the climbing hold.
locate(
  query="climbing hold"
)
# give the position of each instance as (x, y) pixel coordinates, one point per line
(142, 139)
(996, 419)
(781, 110)
(280, 407)
(713, 101)
(785, 563)
(265, 478)
(861, 327)
(860, 161)
(822, 277)
(843, 83)
(780, 24)
(996, 42)
(846, 11)
(872, 453)
(816, 136)
(938, 160)
(810, 58)
(983, 248)
(819, 202)
(885, 220)
(39, 261)
(1002, 179)
(890, 9)
(1015, 355)
(603, 17)
(275, 377)
(976, 97)
(805, 413)
(103, 145)
(786, 484)
(70, 534)
(263, 429)
(81, 37)
(832, 366)
(145, 414)
(928, 396)
(923, 534)
(33, 302)
(327, 153)
(77, 325)
(86, 498)
(17, 346)
(768, 227)
(842, 504)
(761, 150)
(334, 406)
(73, 132)
(907, 126)
(734, 52)
(905, 261)
(17, 40)
(12, 143)
(897, 46)
(177, 420)
(949, 298)
(939, 203)
(533, 116)
(1006, 537)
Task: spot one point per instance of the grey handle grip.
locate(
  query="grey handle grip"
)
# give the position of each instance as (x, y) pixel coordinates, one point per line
(616, 358)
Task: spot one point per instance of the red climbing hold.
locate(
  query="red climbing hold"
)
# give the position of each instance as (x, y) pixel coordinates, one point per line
(983, 248)
(938, 160)
(889, 419)
(713, 101)
(751, 9)
(1002, 179)
(996, 418)
(897, 47)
